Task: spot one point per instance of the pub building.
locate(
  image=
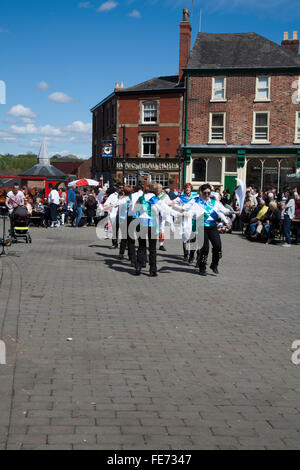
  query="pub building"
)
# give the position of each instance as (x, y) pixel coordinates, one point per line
(233, 111)
(242, 108)
(144, 124)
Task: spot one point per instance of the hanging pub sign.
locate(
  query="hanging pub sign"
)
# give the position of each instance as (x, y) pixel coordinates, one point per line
(107, 148)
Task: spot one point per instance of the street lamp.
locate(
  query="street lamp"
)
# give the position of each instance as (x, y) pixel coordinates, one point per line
(124, 151)
(180, 153)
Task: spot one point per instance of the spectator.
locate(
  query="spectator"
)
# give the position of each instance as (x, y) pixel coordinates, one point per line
(53, 201)
(39, 210)
(273, 222)
(289, 213)
(90, 209)
(78, 207)
(62, 210)
(71, 198)
(256, 223)
(14, 198)
(28, 205)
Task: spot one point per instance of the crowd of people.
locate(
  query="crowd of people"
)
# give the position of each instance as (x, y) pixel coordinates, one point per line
(62, 206)
(266, 216)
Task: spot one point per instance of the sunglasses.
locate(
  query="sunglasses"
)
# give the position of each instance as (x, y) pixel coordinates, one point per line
(206, 192)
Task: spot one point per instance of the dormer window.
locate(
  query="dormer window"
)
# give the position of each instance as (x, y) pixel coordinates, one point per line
(218, 89)
(263, 89)
(149, 112)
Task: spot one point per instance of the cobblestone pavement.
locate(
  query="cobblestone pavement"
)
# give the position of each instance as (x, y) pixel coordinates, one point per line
(173, 362)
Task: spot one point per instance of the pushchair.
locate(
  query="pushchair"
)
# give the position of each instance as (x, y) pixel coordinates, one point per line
(20, 219)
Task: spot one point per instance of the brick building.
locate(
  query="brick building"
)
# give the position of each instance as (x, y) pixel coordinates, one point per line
(145, 123)
(242, 110)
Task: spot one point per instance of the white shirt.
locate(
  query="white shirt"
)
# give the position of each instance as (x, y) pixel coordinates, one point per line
(53, 197)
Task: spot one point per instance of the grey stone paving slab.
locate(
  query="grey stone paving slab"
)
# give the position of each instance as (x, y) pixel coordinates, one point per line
(173, 362)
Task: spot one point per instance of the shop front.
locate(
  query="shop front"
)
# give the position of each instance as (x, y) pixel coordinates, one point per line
(269, 172)
(163, 171)
(260, 169)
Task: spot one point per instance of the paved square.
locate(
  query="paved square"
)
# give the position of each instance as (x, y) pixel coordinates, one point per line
(173, 362)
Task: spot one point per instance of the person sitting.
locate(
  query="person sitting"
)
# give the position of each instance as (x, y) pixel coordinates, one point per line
(28, 205)
(62, 210)
(272, 224)
(39, 210)
(256, 222)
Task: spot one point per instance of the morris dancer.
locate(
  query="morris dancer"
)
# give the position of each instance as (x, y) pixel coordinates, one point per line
(112, 205)
(184, 202)
(213, 210)
(165, 198)
(126, 216)
(150, 207)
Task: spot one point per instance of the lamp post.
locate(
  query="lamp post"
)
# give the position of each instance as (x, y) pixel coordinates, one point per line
(124, 151)
(180, 153)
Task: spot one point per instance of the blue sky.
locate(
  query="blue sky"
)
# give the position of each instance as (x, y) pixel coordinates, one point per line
(61, 57)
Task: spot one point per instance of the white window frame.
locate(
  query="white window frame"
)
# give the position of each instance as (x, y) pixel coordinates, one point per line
(297, 127)
(213, 97)
(160, 178)
(132, 179)
(143, 112)
(257, 99)
(214, 141)
(142, 145)
(254, 139)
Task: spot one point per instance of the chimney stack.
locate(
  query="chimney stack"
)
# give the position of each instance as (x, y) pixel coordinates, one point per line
(185, 42)
(291, 44)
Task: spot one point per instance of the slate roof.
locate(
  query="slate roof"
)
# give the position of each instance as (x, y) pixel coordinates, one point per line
(239, 51)
(155, 84)
(44, 170)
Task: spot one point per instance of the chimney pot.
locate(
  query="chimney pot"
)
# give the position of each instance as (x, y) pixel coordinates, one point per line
(122, 85)
(117, 84)
(185, 42)
(291, 44)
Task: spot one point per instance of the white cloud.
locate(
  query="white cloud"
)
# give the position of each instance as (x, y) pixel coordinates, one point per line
(85, 5)
(31, 129)
(60, 97)
(50, 130)
(107, 6)
(28, 120)
(43, 86)
(20, 111)
(135, 14)
(79, 127)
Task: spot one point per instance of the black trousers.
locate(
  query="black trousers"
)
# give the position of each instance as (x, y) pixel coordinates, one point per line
(142, 249)
(127, 240)
(212, 235)
(187, 251)
(53, 212)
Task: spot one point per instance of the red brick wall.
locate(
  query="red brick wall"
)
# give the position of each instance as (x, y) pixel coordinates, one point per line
(84, 171)
(169, 113)
(239, 108)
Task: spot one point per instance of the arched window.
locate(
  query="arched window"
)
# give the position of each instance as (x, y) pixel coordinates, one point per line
(199, 170)
(214, 170)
